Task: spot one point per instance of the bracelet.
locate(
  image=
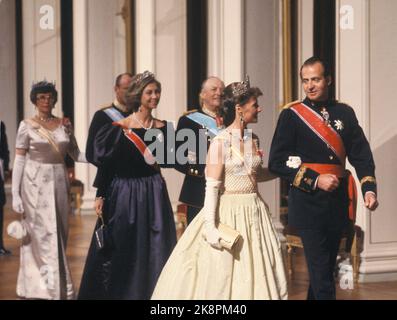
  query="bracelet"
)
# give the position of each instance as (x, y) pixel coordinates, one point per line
(100, 198)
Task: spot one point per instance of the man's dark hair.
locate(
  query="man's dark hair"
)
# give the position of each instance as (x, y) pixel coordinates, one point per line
(118, 79)
(313, 60)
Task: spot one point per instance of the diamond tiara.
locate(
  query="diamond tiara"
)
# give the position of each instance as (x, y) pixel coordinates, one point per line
(242, 88)
(43, 83)
(143, 76)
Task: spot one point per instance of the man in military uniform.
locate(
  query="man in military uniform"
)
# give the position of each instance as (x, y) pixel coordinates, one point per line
(115, 112)
(4, 162)
(312, 140)
(205, 123)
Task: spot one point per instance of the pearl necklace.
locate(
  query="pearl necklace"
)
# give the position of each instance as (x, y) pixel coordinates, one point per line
(141, 123)
(48, 119)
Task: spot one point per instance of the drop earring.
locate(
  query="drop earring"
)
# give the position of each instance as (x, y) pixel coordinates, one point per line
(241, 118)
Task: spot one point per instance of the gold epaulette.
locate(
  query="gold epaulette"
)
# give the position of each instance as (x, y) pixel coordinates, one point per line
(289, 105)
(190, 112)
(105, 106)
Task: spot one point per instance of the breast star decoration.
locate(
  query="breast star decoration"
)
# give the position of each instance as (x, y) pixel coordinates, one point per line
(339, 125)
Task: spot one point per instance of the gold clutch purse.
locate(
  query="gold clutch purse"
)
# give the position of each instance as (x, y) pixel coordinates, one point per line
(229, 236)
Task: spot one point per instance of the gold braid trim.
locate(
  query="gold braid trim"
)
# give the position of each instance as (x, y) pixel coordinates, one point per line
(368, 179)
(299, 176)
(190, 112)
(289, 105)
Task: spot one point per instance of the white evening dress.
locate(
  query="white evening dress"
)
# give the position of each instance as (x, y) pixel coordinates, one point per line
(253, 270)
(44, 271)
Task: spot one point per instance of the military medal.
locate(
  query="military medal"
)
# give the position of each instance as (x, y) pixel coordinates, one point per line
(325, 115)
(339, 125)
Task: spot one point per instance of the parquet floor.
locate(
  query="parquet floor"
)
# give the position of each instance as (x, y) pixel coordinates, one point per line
(79, 238)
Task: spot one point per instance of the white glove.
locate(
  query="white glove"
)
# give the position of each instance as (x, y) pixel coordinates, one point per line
(81, 158)
(212, 234)
(294, 162)
(17, 172)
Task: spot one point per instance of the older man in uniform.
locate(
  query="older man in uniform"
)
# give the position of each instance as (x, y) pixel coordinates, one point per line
(114, 112)
(205, 123)
(312, 140)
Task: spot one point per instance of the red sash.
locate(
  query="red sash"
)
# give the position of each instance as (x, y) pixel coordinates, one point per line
(316, 123)
(340, 172)
(333, 140)
(140, 145)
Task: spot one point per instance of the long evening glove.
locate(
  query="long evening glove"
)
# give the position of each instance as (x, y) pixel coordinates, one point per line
(17, 172)
(210, 205)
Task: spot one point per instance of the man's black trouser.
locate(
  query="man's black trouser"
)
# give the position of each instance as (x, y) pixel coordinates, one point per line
(192, 213)
(321, 248)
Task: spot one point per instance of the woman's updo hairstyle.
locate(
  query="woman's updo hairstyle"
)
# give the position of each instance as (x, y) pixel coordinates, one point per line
(43, 87)
(237, 93)
(139, 82)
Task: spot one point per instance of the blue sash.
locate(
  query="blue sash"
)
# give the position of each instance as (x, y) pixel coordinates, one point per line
(205, 121)
(114, 114)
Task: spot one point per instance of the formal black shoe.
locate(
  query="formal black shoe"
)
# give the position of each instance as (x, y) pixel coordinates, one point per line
(4, 252)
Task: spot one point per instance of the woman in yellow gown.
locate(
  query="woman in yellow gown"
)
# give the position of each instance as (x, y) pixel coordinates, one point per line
(199, 268)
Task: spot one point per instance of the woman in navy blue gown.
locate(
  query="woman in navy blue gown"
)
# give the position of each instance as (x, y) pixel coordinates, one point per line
(137, 209)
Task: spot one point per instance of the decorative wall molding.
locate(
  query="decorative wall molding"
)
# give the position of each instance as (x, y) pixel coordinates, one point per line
(226, 39)
(8, 70)
(81, 93)
(145, 35)
(352, 75)
(305, 34)
(353, 86)
(41, 48)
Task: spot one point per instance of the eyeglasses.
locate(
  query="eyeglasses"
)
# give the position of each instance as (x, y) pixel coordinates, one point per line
(45, 98)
